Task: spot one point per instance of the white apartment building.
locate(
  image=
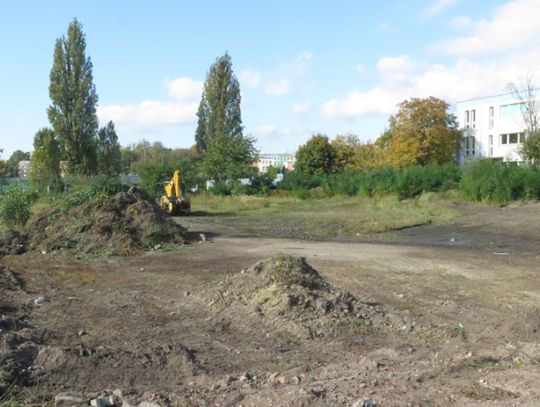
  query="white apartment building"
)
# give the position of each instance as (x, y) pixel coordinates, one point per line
(265, 161)
(493, 128)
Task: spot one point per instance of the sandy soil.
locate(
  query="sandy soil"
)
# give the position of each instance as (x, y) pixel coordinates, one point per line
(463, 299)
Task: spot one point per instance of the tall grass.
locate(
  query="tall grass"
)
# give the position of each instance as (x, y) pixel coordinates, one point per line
(499, 182)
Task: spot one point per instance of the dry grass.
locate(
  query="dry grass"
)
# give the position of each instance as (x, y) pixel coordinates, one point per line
(327, 217)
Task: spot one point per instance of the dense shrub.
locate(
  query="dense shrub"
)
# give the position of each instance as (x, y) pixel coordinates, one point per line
(499, 182)
(16, 205)
(413, 181)
(378, 181)
(220, 189)
(260, 185)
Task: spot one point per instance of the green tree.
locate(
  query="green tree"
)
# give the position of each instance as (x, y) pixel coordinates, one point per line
(219, 112)
(316, 157)
(344, 147)
(13, 162)
(72, 112)
(423, 132)
(45, 162)
(530, 149)
(228, 158)
(226, 153)
(108, 151)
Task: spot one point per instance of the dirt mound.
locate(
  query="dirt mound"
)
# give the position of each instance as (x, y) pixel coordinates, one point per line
(121, 224)
(17, 349)
(289, 294)
(12, 242)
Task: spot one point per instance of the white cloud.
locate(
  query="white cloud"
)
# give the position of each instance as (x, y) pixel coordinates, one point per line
(360, 69)
(185, 89)
(471, 74)
(278, 87)
(300, 108)
(265, 130)
(438, 6)
(281, 79)
(461, 23)
(395, 64)
(513, 25)
(250, 78)
(180, 108)
(463, 79)
(357, 103)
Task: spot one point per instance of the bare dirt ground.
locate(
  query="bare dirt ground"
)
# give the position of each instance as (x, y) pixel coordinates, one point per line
(459, 305)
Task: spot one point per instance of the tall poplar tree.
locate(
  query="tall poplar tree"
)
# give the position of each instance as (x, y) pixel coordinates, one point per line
(219, 138)
(72, 112)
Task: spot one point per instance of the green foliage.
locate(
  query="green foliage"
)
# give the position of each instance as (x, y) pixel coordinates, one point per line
(16, 205)
(220, 189)
(422, 133)
(153, 177)
(229, 158)
(531, 148)
(316, 157)
(499, 182)
(378, 181)
(109, 157)
(13, 162)
(219, 112)
(260, 185)
(413, 181)
(45, 162)
(72, 112)
(90, 189)
(143, 154)
(226, 153)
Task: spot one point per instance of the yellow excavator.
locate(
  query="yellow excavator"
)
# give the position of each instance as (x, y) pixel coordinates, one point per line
(175, 201)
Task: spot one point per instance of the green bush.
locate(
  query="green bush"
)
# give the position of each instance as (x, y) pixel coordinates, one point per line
(260, 185)
(16, 205)
(500, 182)
(413, 181)
(221, 189)
(378, 181)
(91, 189)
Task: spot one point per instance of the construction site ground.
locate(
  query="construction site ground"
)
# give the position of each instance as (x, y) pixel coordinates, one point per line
(465, 295)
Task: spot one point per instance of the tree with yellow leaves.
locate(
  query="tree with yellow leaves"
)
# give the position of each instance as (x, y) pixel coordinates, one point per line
(423, 132)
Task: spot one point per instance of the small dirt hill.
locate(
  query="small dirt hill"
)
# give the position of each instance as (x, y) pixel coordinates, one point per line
(119, 225)
(287, 293)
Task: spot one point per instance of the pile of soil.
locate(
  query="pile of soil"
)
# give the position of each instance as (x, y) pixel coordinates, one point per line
(17, 339)
(12, 242)
(287, 293)
(119, 225)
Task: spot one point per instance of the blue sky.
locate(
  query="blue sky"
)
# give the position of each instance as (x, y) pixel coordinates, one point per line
(304, 66)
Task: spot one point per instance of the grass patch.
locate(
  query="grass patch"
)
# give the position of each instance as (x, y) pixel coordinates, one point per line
(337, 216)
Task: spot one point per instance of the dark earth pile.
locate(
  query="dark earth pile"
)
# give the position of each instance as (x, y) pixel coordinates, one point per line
(119, 225)
(289, 294)
(17, 341)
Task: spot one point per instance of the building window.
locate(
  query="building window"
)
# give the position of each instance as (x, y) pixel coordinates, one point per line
(473, 118)
(469, 144)
(513, 109)
(512, 138)
(467, 119)
(491, 116)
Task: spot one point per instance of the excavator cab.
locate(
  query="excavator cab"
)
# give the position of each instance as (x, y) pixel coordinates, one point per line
(175, 201)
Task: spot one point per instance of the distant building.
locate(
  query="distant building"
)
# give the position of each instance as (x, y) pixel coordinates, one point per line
(265, 161)
(493, 128)
(23, 169)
